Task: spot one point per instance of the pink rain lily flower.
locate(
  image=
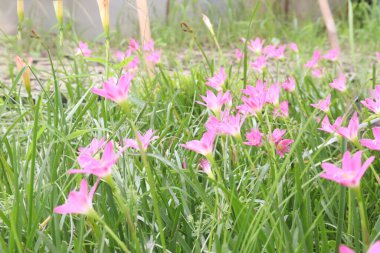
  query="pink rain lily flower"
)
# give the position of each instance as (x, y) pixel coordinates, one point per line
(339, 83)
(282, 110)
(91, 163)
(144, 139)
(352, 170)
(332, 55)
(133, 65)
(317, 72)
(327, 127)
(154, 57)
(313, 62)
(378, 56)
(149, 46)
(375, 143)
(293, 46)
(350, 132)
(257, 96)
(276, 135)
(218, 80)
(92, 149)
(231, 124)
(83, 49)
(323, 105)
(373, 103)
(273, 95)
(134, 45)
(206, 167)
(259, 64)
(116, 91)
(289, 85)
(254, 138)
(256, 45)
(203, 146)
(271, 51)
(239, 54)
(79, 202)
(374, 248)
(215, 103)
(282, 145)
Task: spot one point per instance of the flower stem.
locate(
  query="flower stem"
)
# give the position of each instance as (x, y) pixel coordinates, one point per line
(96, 216)
(363, 216)
(107, 55)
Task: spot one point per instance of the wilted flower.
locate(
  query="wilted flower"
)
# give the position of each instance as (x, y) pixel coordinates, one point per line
(352, 170)
(375, 143)
(323, 105)
(79, 202)
(218, 80)
(339, 83)
(206, 167)
(26, 75)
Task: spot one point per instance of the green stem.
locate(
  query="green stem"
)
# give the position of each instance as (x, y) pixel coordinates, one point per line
(363, 216)
(96, 216)
(107, 55)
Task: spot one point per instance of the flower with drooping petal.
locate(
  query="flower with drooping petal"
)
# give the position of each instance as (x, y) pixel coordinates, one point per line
(351, 132)
(254, 138)
(276, 135)
(218, 80)
(91, 164)
(145, 140)
(339, 83)
(374, 248)
(373, 103)
(256, 45)
(259, 64)
(116, 91)
(293, 46)
(352, 170)
(154, 57)
(375, 143)
(283, 147)
(289, 84)
(206, 167)
(239, 54)
(282, 110)
(313, 62)
(273, 94)
(133, 45)
(215, 103)
(323, 105)
(26, 75)
(83, 49)
(79, 202)
(327, 127)
(332, 55)
(204, 146)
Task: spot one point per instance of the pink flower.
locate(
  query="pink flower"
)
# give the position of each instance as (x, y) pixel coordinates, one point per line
(91, 164)
(116, 92)
(372, 144)
(289, 85)
(149, 46)
(144, 139)
(373, 103)
(218, 80)
(283, 147)
(375, 248)
(203, 146)
(254, 138)
(256, 99)
(256, 45)
(120, 56)
(215, 103)
(327, 127)
(377, 56)
(273, 94)
(92, 149)
(332, 55)
(83, 49)
(133, 45)
(133, 65)
(206, 167)
(339, 83)
(323, 105)
(276, 135)
(259, 64)
(293, 46)
(272, 52)
(351, 132)
(352, 170)
(239, 54)
(231, 124)
(313, 62)
(154, 57)
(282, 110)
(317, 72)
(79, 202)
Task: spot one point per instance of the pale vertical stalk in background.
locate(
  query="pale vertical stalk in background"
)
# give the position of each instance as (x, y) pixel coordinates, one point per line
(58, 7)
(21, 17)
(330, 23)
(104, 10)
(144, 24)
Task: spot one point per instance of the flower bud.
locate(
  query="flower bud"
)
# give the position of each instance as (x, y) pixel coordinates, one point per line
(104, 10)
(20, 10)
(58, 7)
(26, 75)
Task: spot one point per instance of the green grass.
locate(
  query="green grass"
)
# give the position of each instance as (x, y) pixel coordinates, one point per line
(260, 202)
